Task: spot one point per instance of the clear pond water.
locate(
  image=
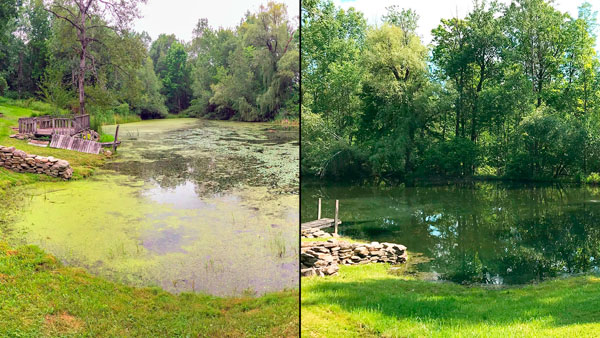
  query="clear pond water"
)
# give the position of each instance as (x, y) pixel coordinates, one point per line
(482, 232)
(188, 205)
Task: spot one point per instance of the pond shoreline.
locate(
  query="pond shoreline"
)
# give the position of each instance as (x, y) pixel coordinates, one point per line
(163, 233)
(436, 181)
(28, 271)
(485, 232)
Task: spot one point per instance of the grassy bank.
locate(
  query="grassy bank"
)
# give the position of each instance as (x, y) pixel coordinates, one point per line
(83, 164)
(40, 297)
(366, 300)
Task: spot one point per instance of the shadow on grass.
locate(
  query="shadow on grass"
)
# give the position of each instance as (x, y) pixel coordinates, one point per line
(568, 301)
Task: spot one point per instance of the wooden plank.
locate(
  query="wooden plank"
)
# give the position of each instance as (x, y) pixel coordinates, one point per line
(319, 213)
(319, 223)
(116, 136)
(109, 144)
(74, 143)
(337, 211)
(38, 143)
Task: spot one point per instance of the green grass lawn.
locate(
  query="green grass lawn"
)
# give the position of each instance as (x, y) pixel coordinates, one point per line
(366, 300)
(83, 164)
(40, 297)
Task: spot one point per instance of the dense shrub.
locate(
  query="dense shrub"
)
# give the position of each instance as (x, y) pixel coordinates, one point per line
(456, 158)
(3, 86)
(593, 178)
(546, 146)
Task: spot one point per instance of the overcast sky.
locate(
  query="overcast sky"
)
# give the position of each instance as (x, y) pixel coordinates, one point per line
(179, 17)
(431, 11)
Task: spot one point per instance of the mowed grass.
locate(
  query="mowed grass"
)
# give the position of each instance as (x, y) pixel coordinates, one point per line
(83, 164)
(367, 301)
(40, 297)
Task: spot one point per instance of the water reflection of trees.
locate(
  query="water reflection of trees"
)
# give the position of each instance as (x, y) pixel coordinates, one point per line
(479, 232)
(210, 174)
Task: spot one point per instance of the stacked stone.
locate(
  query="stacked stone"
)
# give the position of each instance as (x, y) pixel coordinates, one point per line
(20, 161)
(316, 233)
(323, 258)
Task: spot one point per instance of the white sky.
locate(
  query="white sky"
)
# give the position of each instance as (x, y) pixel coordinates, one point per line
(431, 11)
(179, 17)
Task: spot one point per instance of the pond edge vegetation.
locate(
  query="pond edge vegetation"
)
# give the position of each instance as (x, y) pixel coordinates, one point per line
(44, 292)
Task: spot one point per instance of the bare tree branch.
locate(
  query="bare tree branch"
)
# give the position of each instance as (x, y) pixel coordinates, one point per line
(64, 18)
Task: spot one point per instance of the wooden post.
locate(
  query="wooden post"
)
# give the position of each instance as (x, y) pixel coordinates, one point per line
(319, 214)
(116, 135)
(335, 221)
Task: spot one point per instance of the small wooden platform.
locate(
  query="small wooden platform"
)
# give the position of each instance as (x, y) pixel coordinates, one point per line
(50, 131)
(38, 143)
(109, 144)
(319, 224)
(48, 125)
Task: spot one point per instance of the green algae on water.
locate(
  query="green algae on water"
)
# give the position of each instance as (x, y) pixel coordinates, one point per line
(176, 210)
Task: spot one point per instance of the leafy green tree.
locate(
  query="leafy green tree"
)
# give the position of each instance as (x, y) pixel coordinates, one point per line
(176, 80)
(86, 17)
(151, 103)
(546, 146)
(158, 53)
(251, 74)
(38, 35)
(396, 80)
(331, 87)
(8, 11)
(210, 50)
(536, 30)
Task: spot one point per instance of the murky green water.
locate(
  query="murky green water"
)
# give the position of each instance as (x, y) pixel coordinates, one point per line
(474, 233)
(188, 205)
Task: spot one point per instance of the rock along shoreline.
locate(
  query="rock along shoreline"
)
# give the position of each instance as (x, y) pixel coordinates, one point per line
(323, 258)
(21, 162)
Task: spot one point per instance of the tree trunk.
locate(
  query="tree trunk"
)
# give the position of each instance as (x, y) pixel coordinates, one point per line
(82, 55)
(20, 75)
(81, 82)
(539, 92)
(476, 102)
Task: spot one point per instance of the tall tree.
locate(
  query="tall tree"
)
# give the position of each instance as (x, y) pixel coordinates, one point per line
(8, 11)
(176, 80)
(86, 16)
(536, 30)
(451, 56)
(395, 83)
(158, 52)
(210, 50)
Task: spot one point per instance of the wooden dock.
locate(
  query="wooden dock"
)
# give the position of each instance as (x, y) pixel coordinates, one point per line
(321, 223)
(50, 125)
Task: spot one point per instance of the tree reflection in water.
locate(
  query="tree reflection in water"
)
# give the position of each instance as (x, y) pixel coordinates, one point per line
(482, 232)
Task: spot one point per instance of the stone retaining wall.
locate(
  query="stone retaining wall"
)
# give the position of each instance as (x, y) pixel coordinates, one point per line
(19, 161)
(316, 233)
(323, 258)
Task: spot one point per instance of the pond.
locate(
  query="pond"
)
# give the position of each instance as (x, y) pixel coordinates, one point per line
(479, 232)
(188, 205)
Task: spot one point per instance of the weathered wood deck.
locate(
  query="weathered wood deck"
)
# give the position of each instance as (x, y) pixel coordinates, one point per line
(319, 224)
(110, 144)
(50, 125)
